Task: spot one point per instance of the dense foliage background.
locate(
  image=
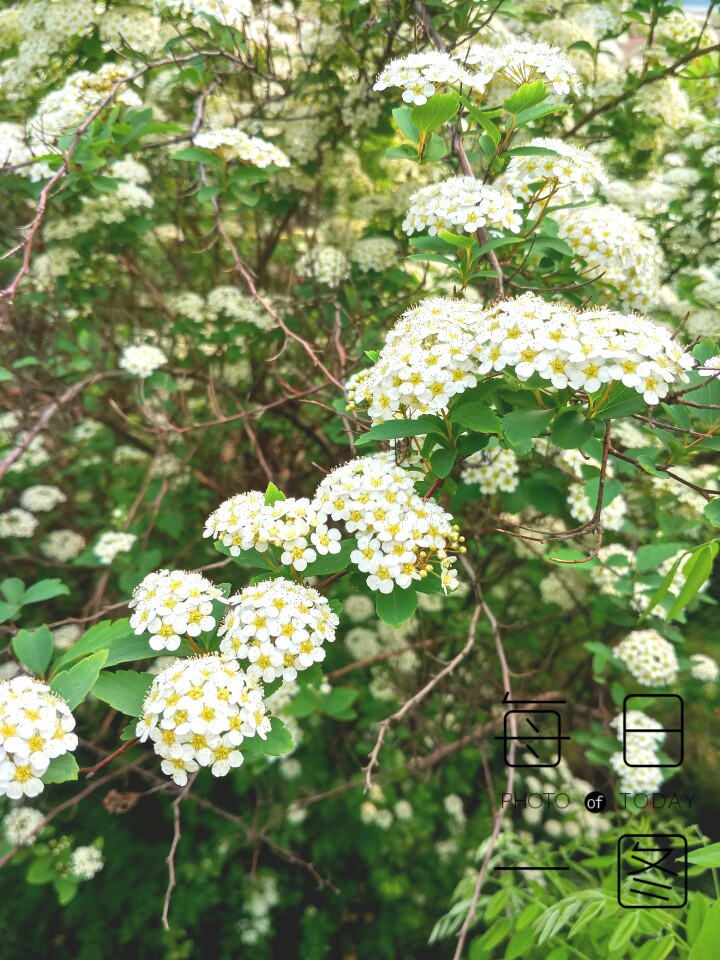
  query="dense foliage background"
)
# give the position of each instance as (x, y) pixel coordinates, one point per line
(187, 315)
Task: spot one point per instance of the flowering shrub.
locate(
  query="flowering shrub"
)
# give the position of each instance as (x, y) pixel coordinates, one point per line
(360, 375)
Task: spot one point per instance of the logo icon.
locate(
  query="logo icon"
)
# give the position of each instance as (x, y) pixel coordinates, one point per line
(537, 731)
(633, 738)
(596, 802)
(652, 873)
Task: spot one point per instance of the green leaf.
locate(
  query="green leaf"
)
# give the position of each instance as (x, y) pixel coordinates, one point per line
(456, 240)
(13, 589)
(104, 184)
(706, 856)
(197, 155)
(399, 429)
(272, 495)
(66, 889)
(484, 120)
(475, 416)
(403, 119)
(125, 690)
(435, 149)
(571, 430)
(622, 934)
(706, 945)
(337, 703)
(8, 611)
(526, 96)
(622, 401)
(74, 684)
(696, 914)
(278, 740)
(101, 636)
(522, 425)
(45, 590)
(442, 461)
(331, 562)
(519, 943)
(403, 152)
(538, 111)
(654, 949)
(34, 648)
(128, 648)
(659, 595)
(711, 511)
(437, 111)
(397, 606)
(531, 152)
(696, 570)
(61, 769)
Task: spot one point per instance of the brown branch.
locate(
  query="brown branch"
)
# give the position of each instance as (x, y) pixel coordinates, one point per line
(173, 847)
(668, 72)
(419, 697)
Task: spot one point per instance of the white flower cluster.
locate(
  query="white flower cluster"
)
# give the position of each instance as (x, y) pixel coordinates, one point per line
(582, 349)
(86, 862)
(324, 264)
(374, 254)
(35, 727)
(41, 498)
(494, 469)
(710, 367)
(623, 249)
(570, 171)
(613, 513)
(131, 26)
(223, 302)
(649, 657)
(279, 627)
(171, 604)
(575, 820)
(666, 101)
(21, 826)
(523, 61)
(63, 109)
(643, 738)
(62, 545)
(232, 144)
(17, 523)
(704, 668)
(678, 27)
(13, 148)
(426, 360)
(142, 360)
(246, 522)
(461, 204)
(111, 543)
(399, 535)
(422, 75)
(615, 562)
(198, 713)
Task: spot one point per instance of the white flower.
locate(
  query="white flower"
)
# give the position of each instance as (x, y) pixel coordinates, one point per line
(17, 523)
(232, 144)
(142, 360)
(422, 75)
(21, 826)
(64, 637)
(461, 204)
(704, 668)
(375, 254)
(198, 713)
(40, 498)
(62, 545)
(570, 171)
(401, 538)
(523, 61)
(279, 626)
(324, 264)
(649, 657)
(613, 513)
(710, 367)
(173, 603)
(641, 775)
(110, 544)
(624, 250)
(643, 733)
(493, 468)
(35, 727)
(86, 862)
